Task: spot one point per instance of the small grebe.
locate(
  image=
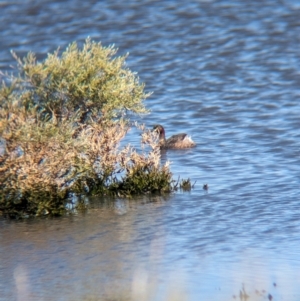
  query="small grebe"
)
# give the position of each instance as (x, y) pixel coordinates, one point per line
(176, 141)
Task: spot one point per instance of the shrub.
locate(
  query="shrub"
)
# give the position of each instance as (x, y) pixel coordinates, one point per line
(61, 121)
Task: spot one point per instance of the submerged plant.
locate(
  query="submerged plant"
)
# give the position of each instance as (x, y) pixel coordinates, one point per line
(61, 123)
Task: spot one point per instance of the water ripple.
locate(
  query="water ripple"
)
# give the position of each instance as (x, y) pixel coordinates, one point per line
(225, 72)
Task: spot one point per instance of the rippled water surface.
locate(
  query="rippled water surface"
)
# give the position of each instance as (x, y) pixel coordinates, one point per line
(226, 72)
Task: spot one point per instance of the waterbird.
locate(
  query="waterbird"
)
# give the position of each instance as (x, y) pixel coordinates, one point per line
(178, 141)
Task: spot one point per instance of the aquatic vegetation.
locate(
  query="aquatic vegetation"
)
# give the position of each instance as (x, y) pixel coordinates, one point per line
(186, 185)
(61, 123)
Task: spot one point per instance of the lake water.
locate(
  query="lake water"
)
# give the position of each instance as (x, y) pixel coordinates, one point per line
(226, 72)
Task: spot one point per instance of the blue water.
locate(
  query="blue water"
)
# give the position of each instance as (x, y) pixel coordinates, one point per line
(225, 72)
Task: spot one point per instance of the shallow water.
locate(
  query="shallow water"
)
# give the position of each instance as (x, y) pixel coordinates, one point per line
(226, 72)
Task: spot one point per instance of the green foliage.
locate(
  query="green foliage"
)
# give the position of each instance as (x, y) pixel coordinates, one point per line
(143, 179)
(91, 79)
